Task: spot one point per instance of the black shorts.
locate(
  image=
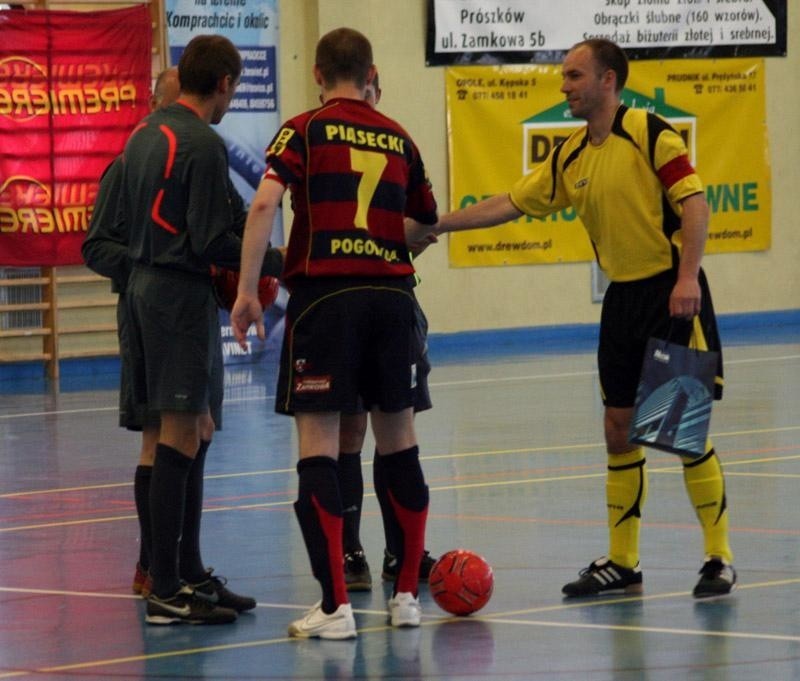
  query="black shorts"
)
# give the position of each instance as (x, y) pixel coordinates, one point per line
(632, 313)
(349, 342)
(135, 416)
(174, 340)
(422, 395)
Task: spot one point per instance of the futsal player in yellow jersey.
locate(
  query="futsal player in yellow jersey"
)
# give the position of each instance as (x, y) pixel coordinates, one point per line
(628, 176)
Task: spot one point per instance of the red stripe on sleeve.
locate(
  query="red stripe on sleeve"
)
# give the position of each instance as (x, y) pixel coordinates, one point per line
(270, 174)
(676, 169)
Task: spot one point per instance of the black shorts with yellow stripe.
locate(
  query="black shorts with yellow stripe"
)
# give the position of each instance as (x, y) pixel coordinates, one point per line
(348, 343)
(635, 311)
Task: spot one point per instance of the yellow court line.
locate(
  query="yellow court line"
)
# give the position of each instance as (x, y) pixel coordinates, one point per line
(737, 462)
(288, 502)
(429, 457)
(63, 592)
(113, 485)
(739, 474)
(578, 604)
(144, 657)
(441, 488)
(69, 523)
(649, 630)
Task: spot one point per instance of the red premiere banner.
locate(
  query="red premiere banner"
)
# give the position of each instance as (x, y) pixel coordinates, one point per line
(72, 86)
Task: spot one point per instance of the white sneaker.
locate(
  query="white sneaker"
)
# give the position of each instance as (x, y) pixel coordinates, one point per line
(316, 624)
(404, 610)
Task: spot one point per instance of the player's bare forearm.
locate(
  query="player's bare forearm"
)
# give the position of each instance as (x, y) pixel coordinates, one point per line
(694, 231)
(257, 232)
(490, 212)
(685, 299)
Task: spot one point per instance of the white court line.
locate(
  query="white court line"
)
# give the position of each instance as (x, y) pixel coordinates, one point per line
(501, 618)
(99, 594)
(434, 384)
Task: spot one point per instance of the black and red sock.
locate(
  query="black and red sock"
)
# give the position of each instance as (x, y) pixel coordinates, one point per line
(319, 512)
(403, 497)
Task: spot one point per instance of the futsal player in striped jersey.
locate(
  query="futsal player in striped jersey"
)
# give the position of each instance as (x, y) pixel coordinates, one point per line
(353, 174)
(352, 431)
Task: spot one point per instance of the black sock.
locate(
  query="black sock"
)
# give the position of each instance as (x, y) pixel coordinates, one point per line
(319, 512)
(391, 530)
(351, 488)
(141, 495)
(190, 562)
(167, 499)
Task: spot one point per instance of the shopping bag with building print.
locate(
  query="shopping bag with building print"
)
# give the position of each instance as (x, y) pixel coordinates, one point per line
(673, 401)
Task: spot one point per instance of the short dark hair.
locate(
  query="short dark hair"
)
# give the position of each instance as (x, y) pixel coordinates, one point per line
(609, 56)
(205, 60)
(344, 54)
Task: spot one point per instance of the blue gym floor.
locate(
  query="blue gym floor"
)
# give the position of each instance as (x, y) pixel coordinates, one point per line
(514, 458)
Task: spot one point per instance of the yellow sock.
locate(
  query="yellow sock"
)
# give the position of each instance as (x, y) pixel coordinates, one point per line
(706, 488)
(626, 492)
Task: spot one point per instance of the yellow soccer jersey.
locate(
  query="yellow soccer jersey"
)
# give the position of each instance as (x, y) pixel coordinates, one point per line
(626, 191)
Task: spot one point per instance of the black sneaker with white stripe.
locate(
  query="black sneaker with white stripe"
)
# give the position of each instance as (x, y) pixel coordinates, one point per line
(186, 607)
(213, 590)
(605, 576)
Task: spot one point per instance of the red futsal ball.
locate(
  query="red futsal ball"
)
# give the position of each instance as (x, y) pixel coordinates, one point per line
(226, 283)
(461, 582)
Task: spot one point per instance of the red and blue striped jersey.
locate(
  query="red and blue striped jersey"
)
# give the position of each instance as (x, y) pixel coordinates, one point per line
(353, 174)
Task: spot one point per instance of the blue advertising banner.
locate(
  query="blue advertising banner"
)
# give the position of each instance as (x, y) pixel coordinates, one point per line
(252, 119)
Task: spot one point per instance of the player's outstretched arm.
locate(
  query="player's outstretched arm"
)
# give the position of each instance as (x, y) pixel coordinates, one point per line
(490, 212)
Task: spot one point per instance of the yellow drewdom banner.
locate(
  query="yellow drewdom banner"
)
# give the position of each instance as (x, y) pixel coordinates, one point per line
(502, 120)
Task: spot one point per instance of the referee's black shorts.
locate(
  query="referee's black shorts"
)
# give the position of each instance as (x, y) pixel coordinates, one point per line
(348, 342)
(635, 311)
(174, 340)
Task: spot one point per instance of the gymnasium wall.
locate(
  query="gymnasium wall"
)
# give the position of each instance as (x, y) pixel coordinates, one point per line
(511, 297)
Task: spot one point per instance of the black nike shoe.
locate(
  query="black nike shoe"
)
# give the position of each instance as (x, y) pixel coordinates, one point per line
(186, 607)
(214, 591)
